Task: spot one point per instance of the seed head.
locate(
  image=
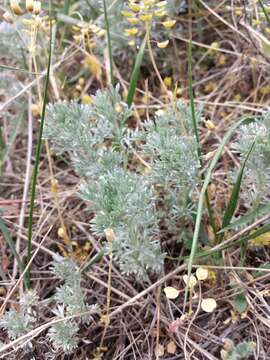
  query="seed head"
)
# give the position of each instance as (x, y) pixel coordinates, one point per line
(29, 4)
(15, 7)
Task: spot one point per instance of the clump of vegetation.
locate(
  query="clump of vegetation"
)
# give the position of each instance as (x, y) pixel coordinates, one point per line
(69, 306)
(104, 151)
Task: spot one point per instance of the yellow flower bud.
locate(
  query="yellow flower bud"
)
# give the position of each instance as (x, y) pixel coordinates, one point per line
(126, 14)
(163, 44)
(54, 186)
(210, 125)
(29, 4)
(146, 17)
(15, 7)
(101, 32)
(35, 110)
(131, 32)
(133, 20)
(134, 7)
(86, 99)
(168, 81)
(160, 13)
(168, 24)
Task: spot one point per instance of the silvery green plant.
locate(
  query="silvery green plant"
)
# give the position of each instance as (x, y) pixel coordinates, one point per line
(69, 299)
(257, 178)
(18, 323)
(132, 179)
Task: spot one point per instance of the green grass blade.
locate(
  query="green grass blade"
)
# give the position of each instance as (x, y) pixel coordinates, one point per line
(38, 151)
(264, 11)
(195, 128)
(229, 212)
(244, 241)
(109, 43)
(95, 259)
(202, 196)
(135, 73)
(11, 244)
(245, 219)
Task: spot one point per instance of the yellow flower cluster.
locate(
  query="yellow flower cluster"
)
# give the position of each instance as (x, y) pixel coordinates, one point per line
(86, 34)
(142, 13)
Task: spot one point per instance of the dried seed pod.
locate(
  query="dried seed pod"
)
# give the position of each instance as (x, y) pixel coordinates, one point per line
(29, 5)
(210, 125)
(15, 7)
(109, 233)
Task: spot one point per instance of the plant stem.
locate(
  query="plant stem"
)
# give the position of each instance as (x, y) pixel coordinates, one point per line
(109, 44)
(38, 151)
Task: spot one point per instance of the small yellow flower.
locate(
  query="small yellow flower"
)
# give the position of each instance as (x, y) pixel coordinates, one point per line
(160, 13)
(237, 97)
(261, 240)
(134, 7)
(86, 99)
(168, 24)
(161, 4)
(163, 44)
(92, 63)
(133, 20)
(146, 17)
(214, 47)
(167, 81)
(210, 125)
(265, 90)
(35, 110)
(238, 12)
(131, 32)
(148, 3)
(210, 87)
(54, 188)
(256, 22)
(126, 14)
(131, 43)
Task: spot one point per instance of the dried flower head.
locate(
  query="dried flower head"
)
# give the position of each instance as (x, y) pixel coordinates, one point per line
(29, 5)
(15, 7)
